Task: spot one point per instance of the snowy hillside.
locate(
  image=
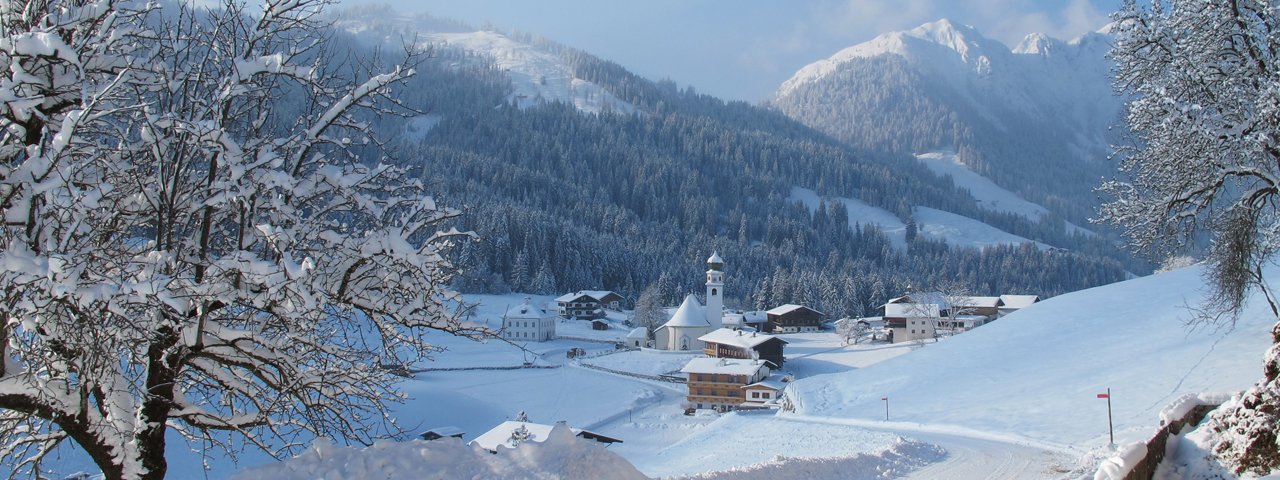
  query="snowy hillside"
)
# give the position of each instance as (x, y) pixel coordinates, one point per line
(537, 76)
(931, 223)
(1035, 374)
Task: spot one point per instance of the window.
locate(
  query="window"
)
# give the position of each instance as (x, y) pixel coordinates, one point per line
(755, 394)
(713, 292)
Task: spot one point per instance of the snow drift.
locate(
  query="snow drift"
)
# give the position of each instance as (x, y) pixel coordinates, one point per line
(561, 456)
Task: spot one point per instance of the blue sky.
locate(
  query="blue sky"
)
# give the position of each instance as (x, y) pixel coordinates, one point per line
(743, 49)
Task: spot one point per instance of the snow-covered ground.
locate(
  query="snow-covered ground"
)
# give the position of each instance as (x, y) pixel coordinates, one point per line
(1035, 375)
(989, 195)
(1012, 399)
(536, 75)
(931, 223)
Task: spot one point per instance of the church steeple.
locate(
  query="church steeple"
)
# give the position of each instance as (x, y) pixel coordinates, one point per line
(715, 290)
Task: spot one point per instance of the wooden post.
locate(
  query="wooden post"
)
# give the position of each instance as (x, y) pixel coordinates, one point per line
(886, 408)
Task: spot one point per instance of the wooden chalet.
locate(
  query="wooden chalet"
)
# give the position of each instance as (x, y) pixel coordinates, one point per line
(727, 343)
(588, 304)
(792, 318)
(718, 383)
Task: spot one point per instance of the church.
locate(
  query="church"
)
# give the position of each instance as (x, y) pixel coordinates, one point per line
(693, 320)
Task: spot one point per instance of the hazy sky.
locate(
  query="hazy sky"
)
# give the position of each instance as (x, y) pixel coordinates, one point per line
(743, 49)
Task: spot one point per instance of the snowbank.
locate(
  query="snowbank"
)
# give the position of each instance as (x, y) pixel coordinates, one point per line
(896, 460)
(561, 456)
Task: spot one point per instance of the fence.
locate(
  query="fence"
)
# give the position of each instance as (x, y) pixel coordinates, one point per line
(1141, 459)
(659, 378)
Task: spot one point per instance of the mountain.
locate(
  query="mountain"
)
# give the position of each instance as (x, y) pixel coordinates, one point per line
(578, 174)
(1036, 119)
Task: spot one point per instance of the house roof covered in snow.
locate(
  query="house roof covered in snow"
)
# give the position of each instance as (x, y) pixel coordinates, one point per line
(688, 315)
(638, 332)
(772, 382)
(501, 434)
(597, 295)
(977, 302)
(1019, 301)
(527, 310)
(788, 308)
(913, 310)
(726, 366)
(725, 336)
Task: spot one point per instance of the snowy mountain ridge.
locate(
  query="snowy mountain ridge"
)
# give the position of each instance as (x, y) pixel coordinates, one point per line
(1035, 119)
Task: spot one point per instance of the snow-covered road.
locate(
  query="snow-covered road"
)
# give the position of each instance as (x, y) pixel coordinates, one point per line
(972, 454)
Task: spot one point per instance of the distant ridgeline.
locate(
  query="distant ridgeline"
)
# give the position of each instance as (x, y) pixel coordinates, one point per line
(565, 200)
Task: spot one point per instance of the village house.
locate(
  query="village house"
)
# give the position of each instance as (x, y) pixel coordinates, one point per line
(909, 320)
(792, 318)
(765, 393)
(727, 343)
(588, 304)
(1013, 303)
(720, 383)
(505, 434)
(529, 323)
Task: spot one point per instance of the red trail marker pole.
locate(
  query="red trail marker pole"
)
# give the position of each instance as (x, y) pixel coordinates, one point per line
(1111, 431)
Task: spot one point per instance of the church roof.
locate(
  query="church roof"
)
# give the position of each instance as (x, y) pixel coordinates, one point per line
(715, 258)
(688, 315)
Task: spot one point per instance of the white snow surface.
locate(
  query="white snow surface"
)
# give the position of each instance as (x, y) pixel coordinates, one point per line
(1035, 374)
(960, 230)
(988, 195)
(860, 213)
(931, 223)
(561, 456)
(538, 76)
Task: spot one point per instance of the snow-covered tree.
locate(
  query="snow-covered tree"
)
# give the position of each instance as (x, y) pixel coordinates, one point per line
(1206, 113)
(648, 312)
(190, 243)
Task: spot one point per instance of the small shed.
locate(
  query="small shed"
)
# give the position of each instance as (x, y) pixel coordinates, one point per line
(599, 325)
(638, 337)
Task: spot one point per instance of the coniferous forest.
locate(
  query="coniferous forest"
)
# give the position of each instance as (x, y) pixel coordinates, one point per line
(563, 200)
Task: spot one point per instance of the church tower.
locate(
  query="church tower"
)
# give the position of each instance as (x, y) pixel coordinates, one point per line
(715, 290)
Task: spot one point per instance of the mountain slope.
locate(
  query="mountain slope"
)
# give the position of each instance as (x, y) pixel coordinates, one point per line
(1035, 119)
(566, 198)
(1036, 373)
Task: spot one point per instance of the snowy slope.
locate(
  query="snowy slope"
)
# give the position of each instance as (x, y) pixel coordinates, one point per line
(987, 193)
(1036, 373)
(537, 76)
(931, 223)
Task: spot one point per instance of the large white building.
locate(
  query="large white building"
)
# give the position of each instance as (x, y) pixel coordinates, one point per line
(528, 323)
(692, 320)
